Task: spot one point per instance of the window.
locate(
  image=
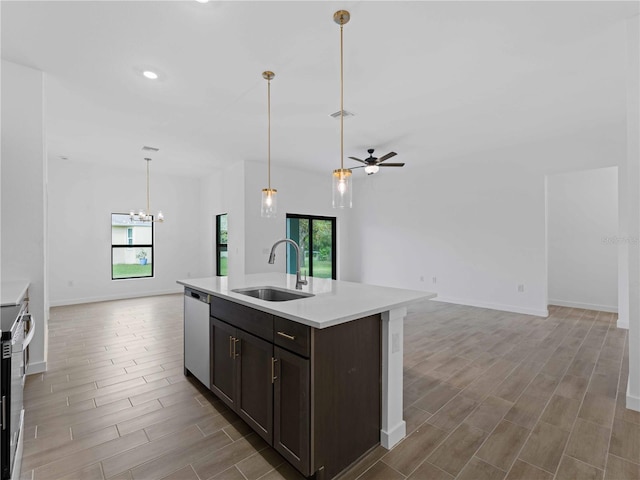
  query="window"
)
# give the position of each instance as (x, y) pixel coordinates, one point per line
(221, 245)
(317, 239)
(131, 248)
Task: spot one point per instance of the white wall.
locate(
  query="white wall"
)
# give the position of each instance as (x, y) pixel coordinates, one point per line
(233, 204)
(301, 192)
(582, 231)
(478, 230)
(23, 223)
(476, 224)
(82, 197)
(632, 200)
(211, 194)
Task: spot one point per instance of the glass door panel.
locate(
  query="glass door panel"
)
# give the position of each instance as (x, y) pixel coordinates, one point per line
(317, 239)
(322, 248)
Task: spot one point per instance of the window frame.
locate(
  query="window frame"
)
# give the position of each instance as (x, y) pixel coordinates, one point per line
(221, 247)
(133, 246)
(334, 243)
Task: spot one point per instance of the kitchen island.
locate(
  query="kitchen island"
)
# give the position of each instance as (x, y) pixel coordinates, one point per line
(332, 361)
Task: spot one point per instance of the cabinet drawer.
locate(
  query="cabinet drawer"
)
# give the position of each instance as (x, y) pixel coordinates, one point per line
(293, 336)
(248, 319)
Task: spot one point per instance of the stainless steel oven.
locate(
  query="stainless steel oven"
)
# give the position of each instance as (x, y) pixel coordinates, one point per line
(18, 329)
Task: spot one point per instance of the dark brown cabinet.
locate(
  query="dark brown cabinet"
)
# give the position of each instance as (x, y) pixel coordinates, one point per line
(313, 394)
(254, 365)
(291, 408)
(223, 372)
(241, 376)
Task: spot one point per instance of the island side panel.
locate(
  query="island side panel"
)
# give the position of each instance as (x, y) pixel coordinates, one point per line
(345, 392)
(394, 427)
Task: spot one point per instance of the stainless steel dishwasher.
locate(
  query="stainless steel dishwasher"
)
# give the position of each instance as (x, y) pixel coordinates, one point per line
(197, 335)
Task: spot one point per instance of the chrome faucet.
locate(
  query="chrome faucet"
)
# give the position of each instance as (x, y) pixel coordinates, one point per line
(272, 258)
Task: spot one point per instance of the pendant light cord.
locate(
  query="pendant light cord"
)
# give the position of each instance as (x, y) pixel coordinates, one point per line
(341, 103)
(148, 210)
(269, 131)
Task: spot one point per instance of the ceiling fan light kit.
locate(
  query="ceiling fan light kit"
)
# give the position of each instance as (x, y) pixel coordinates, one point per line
(269, 203)
(342, 191)
(372, 164)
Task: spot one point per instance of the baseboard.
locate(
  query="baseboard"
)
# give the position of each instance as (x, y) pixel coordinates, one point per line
(633, 403)
(37, 367)
(117, 296)
(585, 306)
(623, 324)
(494, 306)
(389, 439)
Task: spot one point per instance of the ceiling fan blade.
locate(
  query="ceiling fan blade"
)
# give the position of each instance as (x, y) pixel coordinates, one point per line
(359, 166)
(392, 165)
(358, 160)
(386, 157)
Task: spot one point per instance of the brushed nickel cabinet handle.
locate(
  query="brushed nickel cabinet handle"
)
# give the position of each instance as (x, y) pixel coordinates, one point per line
(230, 346)
(287, 336)
(273, 370)
(235, 342)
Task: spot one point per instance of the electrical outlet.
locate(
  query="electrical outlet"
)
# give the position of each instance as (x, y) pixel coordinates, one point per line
(70, 283)
(188, 274)
(434, 280)
(422, 278)
(521, 288)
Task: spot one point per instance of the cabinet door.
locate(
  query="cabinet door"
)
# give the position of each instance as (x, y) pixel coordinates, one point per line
(223, 370)
(291, 436)
(254, 402)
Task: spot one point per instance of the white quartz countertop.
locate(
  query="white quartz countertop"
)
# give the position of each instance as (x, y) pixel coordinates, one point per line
(334, 302)
(13, 292)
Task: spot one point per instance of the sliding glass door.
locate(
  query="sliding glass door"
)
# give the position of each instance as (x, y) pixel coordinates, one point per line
(317, 239)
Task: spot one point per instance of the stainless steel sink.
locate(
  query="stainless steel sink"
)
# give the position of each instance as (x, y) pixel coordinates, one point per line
(272, 294)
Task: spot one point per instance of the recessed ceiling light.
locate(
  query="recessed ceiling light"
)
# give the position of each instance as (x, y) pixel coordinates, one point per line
(150, 75)
(202, 1)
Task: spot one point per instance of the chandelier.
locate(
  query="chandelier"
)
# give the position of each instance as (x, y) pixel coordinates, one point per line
(145, 215)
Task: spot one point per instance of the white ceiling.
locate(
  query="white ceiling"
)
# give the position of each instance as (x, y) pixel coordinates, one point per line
(430, 80)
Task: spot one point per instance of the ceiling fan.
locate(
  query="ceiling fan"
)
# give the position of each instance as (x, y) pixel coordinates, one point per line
(372, 164)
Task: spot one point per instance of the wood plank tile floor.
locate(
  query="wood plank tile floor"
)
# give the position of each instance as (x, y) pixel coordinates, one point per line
(488, 395)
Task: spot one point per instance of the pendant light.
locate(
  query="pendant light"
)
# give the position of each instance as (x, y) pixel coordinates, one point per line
(269, 195)
(142, 215)
(342, 190)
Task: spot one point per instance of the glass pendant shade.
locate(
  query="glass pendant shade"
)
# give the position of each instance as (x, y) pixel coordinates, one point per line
(269, 202)
(342, 189)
